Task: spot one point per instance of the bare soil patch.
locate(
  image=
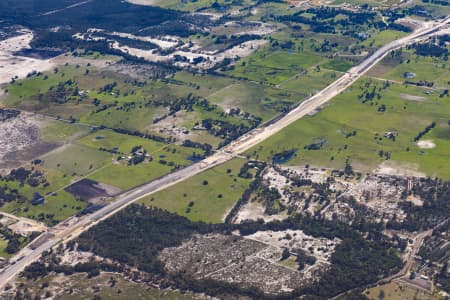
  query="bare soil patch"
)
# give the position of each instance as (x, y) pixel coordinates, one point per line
(26, 228)
(426, 144)
(20, 141)
(89, 190)
(254, 211)
(412, 97)
(396, 168)
(233, 259)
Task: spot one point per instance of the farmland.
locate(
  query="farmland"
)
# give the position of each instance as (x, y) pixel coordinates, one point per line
(274, 67)
(350, 128)
(124, 148)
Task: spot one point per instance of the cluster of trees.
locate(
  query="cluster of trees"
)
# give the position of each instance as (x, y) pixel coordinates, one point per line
(8, 194)
(63, 92)
(435, 194)
(424, 132)
(420, 83)
(103, 15)
(138, 155)
(207, 148)
(31, 177)
(371, 94)
(283, 156)
(235, 40)
(227, 130)
(15, 241)
(23, 176)
(136, 235)
(438, 2)
(303, 258)
(324, 20)
(92, 268)
(443, 39)
(418, 10)
(430, 49)
(316, 145)
(271, 199)
(148, 136)
(6, 113)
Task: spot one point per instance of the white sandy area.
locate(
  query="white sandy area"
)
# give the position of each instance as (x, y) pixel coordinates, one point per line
(254, 211)
(144, 2)
(322, 248)
(11, 65)
(426, 144)
(164, 42)
(396, 168)
(210, 59)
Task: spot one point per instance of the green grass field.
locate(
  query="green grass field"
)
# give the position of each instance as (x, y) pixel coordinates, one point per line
(127, 104)
(194, 5)
(256, 98)
(60, 132)
(57, 207)
(109, 139)
(124, 176)
(212, 201)
(75, 160)
(424, 68)
(310, 81)
(381, 38)
(81, 158)
(274, 67)
(201, 85)
(398, 291)
(3, 245)
(346, 114)
(338, 65)
(134, 119)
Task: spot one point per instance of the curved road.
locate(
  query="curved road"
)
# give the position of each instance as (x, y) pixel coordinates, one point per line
(75, 226)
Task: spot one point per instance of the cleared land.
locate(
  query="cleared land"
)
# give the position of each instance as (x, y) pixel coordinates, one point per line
(206, 197)
(398, 291)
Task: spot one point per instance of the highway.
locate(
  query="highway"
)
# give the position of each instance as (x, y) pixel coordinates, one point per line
(75, 226)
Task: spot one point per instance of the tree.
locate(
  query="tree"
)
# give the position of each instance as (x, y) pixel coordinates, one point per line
(348, 170)
(381, 295)
(285, 254)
